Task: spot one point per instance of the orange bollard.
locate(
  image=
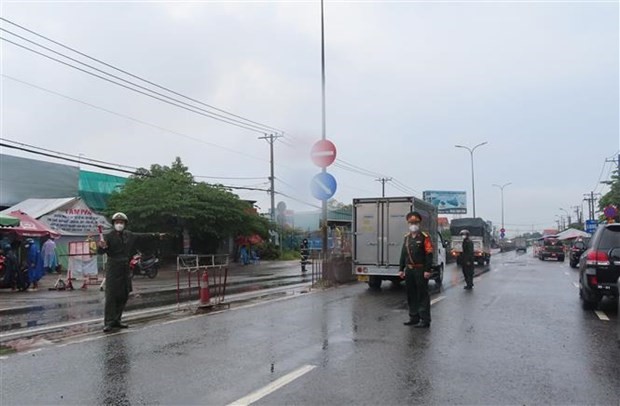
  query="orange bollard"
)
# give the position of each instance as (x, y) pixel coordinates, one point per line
(205, 297)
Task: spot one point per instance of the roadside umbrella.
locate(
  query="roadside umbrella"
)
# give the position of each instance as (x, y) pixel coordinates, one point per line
(30, 227)
(8, 221)
(571, 234)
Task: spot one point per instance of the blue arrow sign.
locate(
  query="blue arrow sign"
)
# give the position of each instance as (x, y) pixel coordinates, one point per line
(323, 186)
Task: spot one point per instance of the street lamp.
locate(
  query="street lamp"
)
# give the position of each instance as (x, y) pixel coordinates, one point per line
(502, 189)
(473, 188)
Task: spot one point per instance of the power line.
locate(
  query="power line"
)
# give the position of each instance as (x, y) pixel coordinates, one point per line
(209, 115)
(264, 126)
(78, 157)
(103, 164)
(2, 144)
(139, 121)
(231, 177)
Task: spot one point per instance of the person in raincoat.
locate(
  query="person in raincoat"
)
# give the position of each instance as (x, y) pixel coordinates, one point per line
(34, 262)
(50, 259)
(119, 244)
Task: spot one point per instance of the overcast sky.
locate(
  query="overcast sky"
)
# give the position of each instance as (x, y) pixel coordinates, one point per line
(406, 81)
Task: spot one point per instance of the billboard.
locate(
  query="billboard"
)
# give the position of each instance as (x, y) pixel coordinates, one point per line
(447, 202)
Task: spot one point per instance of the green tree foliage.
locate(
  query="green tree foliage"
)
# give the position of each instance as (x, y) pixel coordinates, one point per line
(613, 196)
(167, 199)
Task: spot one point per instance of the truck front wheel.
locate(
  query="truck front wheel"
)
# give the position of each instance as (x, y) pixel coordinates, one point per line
(439, 278)
(374, 282)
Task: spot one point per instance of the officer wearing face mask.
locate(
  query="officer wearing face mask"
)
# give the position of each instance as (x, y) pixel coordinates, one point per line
(119, 244)
(416, 260)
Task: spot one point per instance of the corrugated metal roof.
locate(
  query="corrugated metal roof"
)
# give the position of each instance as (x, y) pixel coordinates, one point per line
(36, 208)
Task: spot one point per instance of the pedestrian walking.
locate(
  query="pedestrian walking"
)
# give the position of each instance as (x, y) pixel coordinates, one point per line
(416, 260)
(50, 259)
(34, 263)
(467, 260)
(119, 244)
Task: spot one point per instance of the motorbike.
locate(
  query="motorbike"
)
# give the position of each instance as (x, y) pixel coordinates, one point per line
(576, 250)
(144, 266)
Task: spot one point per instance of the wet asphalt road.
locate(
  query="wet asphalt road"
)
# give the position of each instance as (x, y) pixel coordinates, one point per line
(519, 338)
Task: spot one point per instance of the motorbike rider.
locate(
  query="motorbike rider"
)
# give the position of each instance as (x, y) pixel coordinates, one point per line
(119, 244)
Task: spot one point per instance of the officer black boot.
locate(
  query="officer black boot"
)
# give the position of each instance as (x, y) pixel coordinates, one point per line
(422, 324)
(412, 321)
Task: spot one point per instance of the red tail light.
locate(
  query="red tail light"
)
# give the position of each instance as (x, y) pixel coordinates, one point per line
(592, 280)
(597, 258)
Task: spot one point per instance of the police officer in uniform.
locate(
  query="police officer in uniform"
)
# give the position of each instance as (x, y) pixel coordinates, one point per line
(119, 245)
(416, 260)
(467, 260)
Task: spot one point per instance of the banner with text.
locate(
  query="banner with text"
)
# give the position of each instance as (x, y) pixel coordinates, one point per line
(447, 202)
(79, 219)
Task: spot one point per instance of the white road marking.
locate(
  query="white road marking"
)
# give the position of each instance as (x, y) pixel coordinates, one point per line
(273, 386)
(601, 315)
(437, 299)
(566, 273)
(575, 284)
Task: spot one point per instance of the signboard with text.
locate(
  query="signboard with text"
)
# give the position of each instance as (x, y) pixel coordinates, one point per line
(79, 219)
(447, 202)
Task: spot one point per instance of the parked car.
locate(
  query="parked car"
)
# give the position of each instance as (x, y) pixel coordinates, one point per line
(578, 247)
(599, 266)
(551, 248)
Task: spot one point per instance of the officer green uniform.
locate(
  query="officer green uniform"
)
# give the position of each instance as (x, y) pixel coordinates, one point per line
(417, 258)
(120, 246)
(467, 261)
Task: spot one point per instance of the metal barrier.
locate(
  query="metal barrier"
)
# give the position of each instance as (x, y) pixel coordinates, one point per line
(203, 268)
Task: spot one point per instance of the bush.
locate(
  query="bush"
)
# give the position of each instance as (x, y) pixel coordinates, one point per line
(290, 255)
(269, 252)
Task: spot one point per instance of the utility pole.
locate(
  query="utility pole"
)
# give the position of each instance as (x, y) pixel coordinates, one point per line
(271, 138)
(591, 199)
(616, 161)
(383, 182)
(324, 126)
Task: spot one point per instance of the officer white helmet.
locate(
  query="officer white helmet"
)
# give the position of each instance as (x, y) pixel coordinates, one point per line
(465, 233)
(119, 217)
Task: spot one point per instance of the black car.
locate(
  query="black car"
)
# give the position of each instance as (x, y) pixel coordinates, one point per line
(551, 248)
(576, 250)
(599, 266)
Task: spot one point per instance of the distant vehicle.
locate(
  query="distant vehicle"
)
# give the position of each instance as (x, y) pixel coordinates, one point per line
(379, 229)
(551, 248)
(507, 245)
(577, 249)
(599, 266)
(479, 233)
(521, 244)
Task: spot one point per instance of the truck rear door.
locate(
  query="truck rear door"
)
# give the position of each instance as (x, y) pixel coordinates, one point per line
(395, 229)
(366, 233)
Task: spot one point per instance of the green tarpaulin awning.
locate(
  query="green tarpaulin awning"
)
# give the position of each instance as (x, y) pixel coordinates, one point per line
(8, 221)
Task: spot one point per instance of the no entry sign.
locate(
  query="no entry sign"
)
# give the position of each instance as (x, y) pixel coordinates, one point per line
(323, 153)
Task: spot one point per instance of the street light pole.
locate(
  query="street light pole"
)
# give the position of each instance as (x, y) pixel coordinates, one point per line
(473, 186)
(501, 187)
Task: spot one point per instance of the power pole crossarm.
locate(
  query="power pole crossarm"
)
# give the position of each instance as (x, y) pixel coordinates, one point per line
(383, 182)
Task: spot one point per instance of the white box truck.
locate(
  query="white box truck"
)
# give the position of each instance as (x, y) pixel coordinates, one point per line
(379, 229)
